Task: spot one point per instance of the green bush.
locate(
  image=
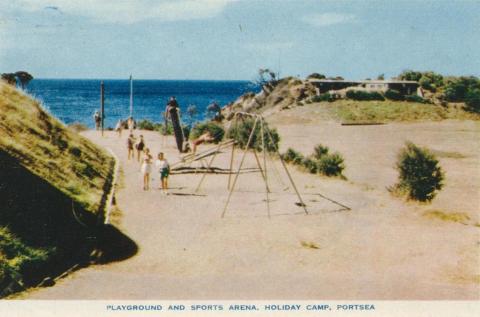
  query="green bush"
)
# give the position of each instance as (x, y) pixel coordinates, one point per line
(457, 89)
(393, 95)
(320, 162)
(331, 164)
(292, 156)
(215, 130)
(18, 260)
(364, 95)
(316, 76)
(310, 164)
(75, 151)
(319, 151)
(472, 100)
(323, 97)
(414, 98)
(241, 132)
(153, 126)
(420, 174)
(146, 125)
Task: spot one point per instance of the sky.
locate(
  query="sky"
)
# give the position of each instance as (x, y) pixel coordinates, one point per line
(232, 39)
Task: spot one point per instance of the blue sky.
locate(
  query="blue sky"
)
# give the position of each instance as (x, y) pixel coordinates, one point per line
(232, 39)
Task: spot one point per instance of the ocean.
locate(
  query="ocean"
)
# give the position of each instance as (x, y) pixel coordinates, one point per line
(75, 100)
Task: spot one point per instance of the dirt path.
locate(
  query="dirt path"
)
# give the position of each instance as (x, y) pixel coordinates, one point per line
(381, 249)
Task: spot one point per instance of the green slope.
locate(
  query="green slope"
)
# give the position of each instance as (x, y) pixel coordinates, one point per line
(45, 171)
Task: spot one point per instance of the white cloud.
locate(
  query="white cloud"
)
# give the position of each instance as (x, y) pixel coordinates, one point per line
(325, 19)
(126, 11)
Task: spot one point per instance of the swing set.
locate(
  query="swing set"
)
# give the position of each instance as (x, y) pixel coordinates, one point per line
(261, 163)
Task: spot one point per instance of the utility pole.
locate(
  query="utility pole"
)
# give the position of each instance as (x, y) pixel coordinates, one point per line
(102, 102)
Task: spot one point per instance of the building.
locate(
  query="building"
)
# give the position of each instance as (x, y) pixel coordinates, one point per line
(405, 87)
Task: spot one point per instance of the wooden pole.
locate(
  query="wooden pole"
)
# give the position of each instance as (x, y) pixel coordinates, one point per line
(260, 167)
(131, 96)
(288, 174)
(102, 103)
(239, 167)
(232, 156)
(208, 168)
(265, 166)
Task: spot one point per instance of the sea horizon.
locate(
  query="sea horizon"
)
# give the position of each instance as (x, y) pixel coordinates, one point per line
(76, 100)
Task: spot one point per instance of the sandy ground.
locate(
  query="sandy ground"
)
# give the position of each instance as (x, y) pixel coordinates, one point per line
(383, 248)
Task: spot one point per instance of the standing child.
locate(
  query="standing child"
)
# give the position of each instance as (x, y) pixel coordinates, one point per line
(130, 143)
(146, 169)
(140, 146)
(119, 127)
(163, 169)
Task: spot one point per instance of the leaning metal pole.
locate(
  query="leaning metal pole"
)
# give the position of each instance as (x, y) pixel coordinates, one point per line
(288, 173)
(265, 167)
(239, 167)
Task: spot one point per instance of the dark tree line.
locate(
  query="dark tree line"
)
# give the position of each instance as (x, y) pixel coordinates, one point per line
(21, 77)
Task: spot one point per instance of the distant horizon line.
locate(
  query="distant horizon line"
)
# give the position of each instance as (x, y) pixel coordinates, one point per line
(143, 79)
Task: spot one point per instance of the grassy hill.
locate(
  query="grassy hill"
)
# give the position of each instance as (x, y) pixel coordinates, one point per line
(53, 186)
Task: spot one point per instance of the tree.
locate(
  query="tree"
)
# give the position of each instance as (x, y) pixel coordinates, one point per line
(192, 112)
(9, 78)
(215, 111)
(410, 75)
(472, 100)
(316, 76)
(24, 78)
(266, 79)
(420, 175)
(456, 89)
(381, 77)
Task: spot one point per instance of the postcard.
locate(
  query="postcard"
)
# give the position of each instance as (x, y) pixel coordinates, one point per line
(239, 157)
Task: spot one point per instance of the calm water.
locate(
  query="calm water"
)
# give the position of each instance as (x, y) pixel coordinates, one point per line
(75, 100)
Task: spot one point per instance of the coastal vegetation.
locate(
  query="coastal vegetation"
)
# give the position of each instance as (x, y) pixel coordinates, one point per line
(241, 130)
(442, 97)
(21, 77)
(320, 162)
(420, 176)
(215, 130)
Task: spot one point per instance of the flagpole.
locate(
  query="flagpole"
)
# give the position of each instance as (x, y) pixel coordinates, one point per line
(131, 96)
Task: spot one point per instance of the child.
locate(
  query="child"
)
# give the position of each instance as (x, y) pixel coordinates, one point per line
(146, 169)
(130, 142)
(140, 146)
(206, 137)
(119, 127)
(163, 169)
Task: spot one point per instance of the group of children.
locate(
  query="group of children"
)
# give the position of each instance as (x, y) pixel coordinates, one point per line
(161, 164)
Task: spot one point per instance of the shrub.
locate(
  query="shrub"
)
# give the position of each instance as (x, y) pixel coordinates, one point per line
(420, 175)
(320, 151)
(364, 95)
(323, 97)
(146, 125)
(215, 130)
(393, 95)
(425, 83)
(331, 164)
(292, 156)
(457, 89)
(241, 133)
(75, 151)
(472, 101)
(316, 76)
(310, 164)
(320, 162)
(414, 98)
